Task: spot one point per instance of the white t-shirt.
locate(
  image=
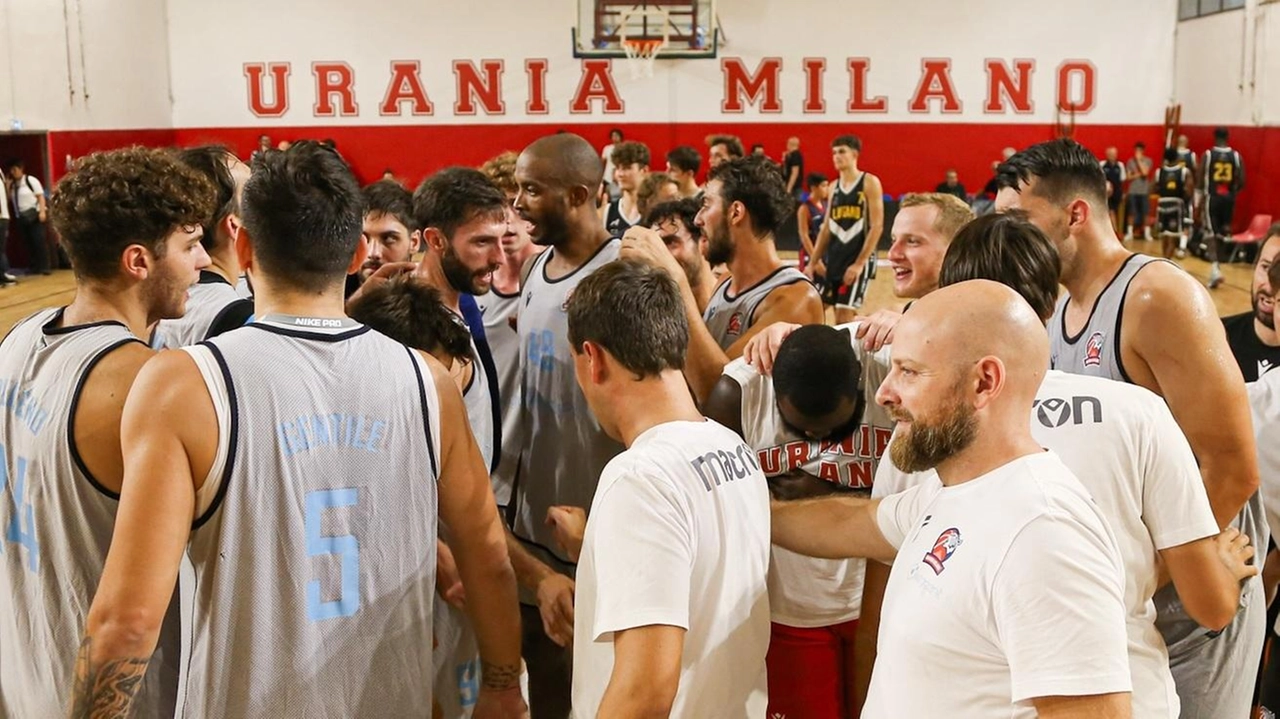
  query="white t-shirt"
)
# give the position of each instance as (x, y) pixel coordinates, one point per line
(1264, 401)
(809, 591)
(1124, 445)
(678, 535)
(26, 192)
(1006, 588)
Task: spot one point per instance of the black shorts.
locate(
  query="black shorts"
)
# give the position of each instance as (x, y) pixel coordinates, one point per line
(835, 292)
(1221, 210)
(1169, 213)
(1113, 202)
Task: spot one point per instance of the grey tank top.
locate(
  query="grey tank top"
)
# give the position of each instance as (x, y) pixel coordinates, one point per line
(479, 406)
(728, 318)
(315, 563)
(206, 300)
(1095, 349)
(565, 449)
(504, 343)
(55, 521)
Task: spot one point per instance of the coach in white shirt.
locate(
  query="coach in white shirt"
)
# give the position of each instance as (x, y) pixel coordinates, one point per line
(1006, 596)
(672, 612)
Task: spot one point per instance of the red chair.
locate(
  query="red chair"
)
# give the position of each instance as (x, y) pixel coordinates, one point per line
(1256, 232)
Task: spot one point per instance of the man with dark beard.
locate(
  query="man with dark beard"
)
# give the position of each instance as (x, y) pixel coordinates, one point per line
(743, 204)
(1009, 546)
(1252, 335)
(675, 222)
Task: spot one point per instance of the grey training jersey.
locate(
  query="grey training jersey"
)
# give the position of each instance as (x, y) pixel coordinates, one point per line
(565, 449)
(479, 404)
(499, 311)
(1095, 349)
(206, 300)
(315, 561)
(729, 317)
(55, 521)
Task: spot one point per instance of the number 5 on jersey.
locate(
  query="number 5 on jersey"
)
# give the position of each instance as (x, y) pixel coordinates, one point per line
(346, 546)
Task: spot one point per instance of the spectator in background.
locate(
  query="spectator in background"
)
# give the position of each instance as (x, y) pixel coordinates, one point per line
(1114, 172)
(793, 168)
(28, 199)
(284, 146)
(952, 186)
(1138, 172)
(986, 200)
(723, 147)
(630, 167)
(657, 188)
(264, 144)
(757, 150)
(683, 164)
(5, 277)
(810, 215)
(606, 154)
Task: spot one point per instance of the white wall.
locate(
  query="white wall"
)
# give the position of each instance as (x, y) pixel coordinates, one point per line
(1226, 64)
(108, 67)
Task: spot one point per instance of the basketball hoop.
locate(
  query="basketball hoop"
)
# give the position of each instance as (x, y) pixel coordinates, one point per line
(641, 54)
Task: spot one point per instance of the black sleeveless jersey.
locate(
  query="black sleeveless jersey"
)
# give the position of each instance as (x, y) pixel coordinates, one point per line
(847, 222)
(1222, 171)
(1172, 181)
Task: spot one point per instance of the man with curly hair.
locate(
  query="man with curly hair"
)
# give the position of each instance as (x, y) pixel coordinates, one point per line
(630, 167)
(131, 223)
(743, 204)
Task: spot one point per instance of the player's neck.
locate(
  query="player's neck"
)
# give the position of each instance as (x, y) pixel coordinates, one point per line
(506, 279)
(432, 272)
(688, 188)
(655, 401)
(1266, 335)
(1097, 260)
(108, 303)
(991, 450)
(580, 244)
(849, 175)
(753, 260)
(224, 263)
(268, 299)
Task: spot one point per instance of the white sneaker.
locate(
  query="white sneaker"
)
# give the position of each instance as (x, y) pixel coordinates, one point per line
(1215, 278)
(1146, 233)
(1128, 235)
(8, 277)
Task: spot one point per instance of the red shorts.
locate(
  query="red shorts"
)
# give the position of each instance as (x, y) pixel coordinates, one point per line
(811, 672)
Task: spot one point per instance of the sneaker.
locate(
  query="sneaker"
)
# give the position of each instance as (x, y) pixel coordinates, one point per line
(1215, 279)
(1180, 253)
(1128, 236)
(7, 279)
(1146, 233)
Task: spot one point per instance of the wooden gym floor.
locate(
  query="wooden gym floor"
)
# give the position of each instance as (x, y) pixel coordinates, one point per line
(35, 293)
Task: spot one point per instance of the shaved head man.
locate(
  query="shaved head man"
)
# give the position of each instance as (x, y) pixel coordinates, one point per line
(996, 537)
(558, 178)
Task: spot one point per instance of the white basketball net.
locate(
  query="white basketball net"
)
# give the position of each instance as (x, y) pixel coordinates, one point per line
(642, 51)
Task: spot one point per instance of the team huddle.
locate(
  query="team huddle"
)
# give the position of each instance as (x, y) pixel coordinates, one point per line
(488, 449)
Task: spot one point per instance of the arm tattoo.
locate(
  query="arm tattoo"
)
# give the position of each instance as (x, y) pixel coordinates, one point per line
(499, 676)
(105, 691)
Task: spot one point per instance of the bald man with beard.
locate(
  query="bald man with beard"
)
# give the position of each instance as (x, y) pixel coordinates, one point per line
(1006, 594)
(565, 450)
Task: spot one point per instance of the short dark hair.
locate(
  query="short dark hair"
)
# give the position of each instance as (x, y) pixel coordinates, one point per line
(685, 159)
(630, 153)
(388, 197)
(13, 162)
(1006, 248)
(1063, 169)
(633, 310)
(1139, 145)
(211, 162)
(684, 209)
(1170, 154)
(731, 144)
(409, 311)
(815, 368)
(850, 141)
(757, 184)
(305, 213)
(1220, 133)
(814, 179)
(455, 196)
(134, 196)
(757, 146)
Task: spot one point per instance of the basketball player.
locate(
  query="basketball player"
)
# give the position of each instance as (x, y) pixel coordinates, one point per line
(1170, 342)
(1125, 447)
(811, 215)
(1223, 180)
(1007, 587)
(499, 307)
(1173, 184)
(565, 449)
(388, 226)
(630, 167)
(722, 148)
(676, 223)
(816, 430)
(1187, 157)
(131, 222)
(743, 204)
(292, 622)
(657, 187)
(213, 307)
(673, 613)
(1252, 335)
(846, 246)
(683, 163)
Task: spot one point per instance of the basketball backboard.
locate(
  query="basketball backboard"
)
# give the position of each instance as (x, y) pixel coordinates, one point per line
(688, 28)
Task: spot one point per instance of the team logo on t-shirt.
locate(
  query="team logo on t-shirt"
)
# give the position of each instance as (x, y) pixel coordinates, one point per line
(564, 306)
(735, 324)
(942, 550)
(1093, 350)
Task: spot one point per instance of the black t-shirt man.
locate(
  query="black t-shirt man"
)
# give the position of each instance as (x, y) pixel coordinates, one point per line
(1254, 357)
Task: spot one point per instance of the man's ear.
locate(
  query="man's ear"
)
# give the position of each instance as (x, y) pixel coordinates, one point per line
(244, 249)
(433, 239)
(136, 262)
(598, 361)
